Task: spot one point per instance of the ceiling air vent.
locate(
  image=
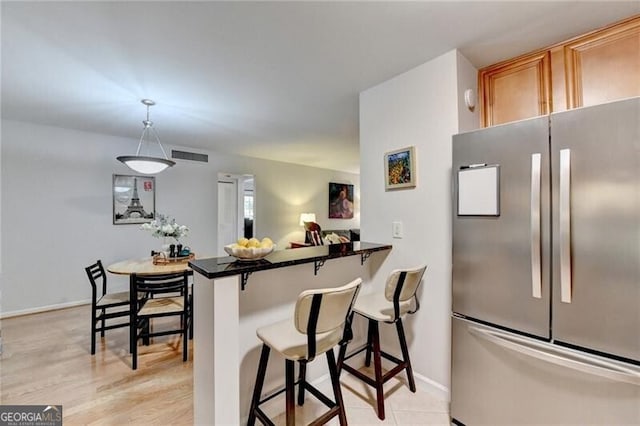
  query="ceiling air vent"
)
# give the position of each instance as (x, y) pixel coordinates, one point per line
(192, 156)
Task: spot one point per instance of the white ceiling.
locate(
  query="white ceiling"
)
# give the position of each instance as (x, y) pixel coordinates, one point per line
(276, 80)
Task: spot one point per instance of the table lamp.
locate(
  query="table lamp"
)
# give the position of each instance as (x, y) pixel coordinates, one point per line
(307, 217)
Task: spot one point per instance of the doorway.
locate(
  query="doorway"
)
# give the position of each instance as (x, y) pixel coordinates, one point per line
(236, 209)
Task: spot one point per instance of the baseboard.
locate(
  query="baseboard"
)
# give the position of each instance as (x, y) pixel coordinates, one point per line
(5, 315)
(433, 388)
(425, 384)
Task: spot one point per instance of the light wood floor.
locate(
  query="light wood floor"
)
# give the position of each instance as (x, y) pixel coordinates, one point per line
(46, 360)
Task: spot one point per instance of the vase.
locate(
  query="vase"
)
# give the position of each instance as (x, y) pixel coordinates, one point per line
(166, 245)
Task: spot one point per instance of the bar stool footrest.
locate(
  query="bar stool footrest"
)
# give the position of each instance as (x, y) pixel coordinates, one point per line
(399, 367)
(356, 352)
(325, 417)
(391, 358)
(308, 386)
(319, 395)
(263, 417)
(272, 395)
(360, 375)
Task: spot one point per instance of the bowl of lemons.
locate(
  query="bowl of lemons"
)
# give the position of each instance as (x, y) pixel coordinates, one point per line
(250, 249)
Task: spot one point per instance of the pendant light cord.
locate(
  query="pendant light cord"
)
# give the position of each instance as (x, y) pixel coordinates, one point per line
(148, 124)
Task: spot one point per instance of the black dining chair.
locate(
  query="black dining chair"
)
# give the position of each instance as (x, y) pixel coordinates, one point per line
(105, 306)
(164, 296)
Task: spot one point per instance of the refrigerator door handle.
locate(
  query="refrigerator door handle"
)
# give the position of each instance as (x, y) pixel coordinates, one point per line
(559, 356)
(536, 275)
(565, 226)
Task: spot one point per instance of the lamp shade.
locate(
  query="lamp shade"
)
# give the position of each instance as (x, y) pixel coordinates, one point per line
(307, 217)
(145, 165)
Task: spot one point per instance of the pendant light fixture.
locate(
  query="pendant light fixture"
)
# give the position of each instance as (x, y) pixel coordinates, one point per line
(144, 164)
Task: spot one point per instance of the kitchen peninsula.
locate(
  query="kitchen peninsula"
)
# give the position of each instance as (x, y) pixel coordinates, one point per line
(233, 298)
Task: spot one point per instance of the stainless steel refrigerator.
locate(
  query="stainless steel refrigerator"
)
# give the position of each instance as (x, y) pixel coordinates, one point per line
(546, 270)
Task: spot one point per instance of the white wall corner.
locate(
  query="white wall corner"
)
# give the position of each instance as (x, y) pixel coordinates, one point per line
(417, 108)
(468, 119)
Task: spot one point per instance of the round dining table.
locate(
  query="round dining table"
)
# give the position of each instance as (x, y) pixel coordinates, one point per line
(145, 266)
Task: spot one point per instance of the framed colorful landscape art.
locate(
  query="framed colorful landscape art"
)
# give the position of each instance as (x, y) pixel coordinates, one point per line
(400, 168)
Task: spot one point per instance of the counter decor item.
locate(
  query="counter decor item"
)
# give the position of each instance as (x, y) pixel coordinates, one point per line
(160, 258)
(250, 249)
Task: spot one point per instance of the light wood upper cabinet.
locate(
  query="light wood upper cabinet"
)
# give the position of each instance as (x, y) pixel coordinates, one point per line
(516, 89)
(603, 66)
(597, 67)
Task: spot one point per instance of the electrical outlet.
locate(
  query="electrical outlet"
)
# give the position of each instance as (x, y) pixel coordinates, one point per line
(396, 229)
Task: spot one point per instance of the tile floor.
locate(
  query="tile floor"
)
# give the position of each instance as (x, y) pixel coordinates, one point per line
(402, 407)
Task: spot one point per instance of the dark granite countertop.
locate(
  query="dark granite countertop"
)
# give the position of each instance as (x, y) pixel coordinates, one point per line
(217, 267)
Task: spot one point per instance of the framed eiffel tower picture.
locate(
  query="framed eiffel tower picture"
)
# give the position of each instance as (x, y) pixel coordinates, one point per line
(134, 199)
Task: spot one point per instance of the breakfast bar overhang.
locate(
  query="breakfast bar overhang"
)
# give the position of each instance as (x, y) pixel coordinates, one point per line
(222, 345)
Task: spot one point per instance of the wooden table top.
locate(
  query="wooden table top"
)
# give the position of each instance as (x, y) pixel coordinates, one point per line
(145, 266)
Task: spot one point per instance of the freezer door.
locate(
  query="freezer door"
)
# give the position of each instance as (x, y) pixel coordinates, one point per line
(501, 264)
(596, 227)
(501, 378)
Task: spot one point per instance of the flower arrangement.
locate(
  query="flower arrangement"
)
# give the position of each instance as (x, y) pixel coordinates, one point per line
(163, 226)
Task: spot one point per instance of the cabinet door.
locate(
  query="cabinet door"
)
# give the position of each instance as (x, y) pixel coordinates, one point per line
(603, 66)
(515, 90)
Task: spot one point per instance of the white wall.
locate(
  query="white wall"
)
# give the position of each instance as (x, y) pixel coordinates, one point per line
(419, 108)
(57, 209)
(467, 79)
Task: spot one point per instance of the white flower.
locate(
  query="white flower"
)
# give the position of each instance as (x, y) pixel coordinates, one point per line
(162, 226)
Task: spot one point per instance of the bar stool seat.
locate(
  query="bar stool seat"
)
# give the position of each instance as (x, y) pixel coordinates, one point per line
(399, 298)
(285, 339)
(321, 321)
(376, 306)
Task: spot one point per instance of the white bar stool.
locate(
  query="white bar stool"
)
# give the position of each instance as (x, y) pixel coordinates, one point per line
(400, 290)
(320, 323)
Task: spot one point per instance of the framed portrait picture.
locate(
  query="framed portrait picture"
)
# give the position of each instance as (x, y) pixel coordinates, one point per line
(134, 199)
(400, 168)
(341, 203)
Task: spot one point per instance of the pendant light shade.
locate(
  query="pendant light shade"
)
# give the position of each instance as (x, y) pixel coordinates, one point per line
(146, 164)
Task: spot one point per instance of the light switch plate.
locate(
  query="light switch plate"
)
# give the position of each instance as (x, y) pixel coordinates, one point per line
(396, 229)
